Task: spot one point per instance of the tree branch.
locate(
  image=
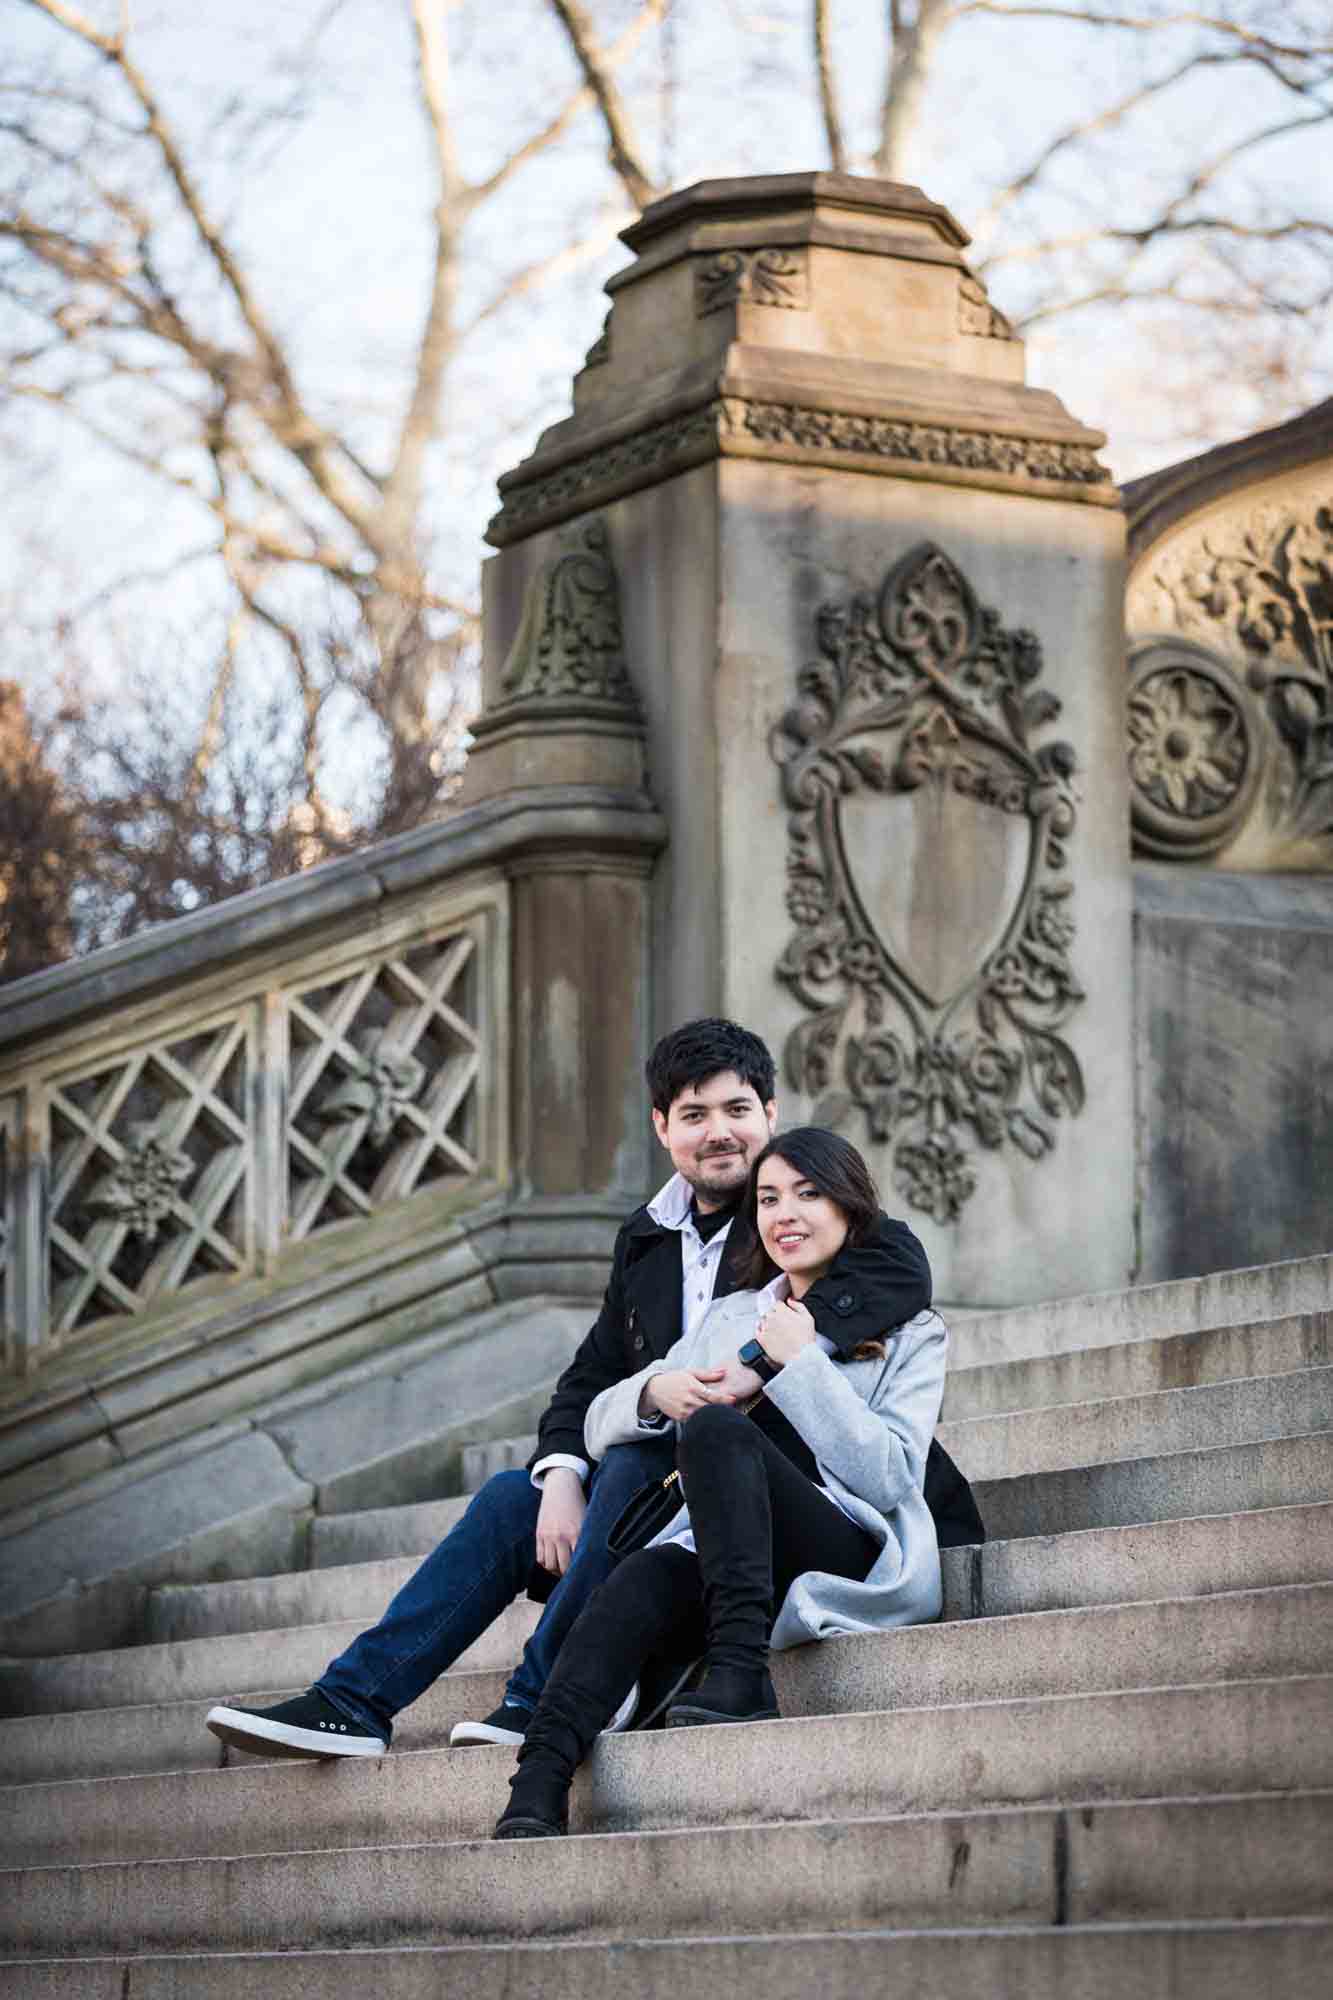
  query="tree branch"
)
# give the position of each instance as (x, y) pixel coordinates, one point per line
(592, 59)
(828, 88)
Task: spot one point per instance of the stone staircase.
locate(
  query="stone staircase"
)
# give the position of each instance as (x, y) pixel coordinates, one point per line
(1107, 1772)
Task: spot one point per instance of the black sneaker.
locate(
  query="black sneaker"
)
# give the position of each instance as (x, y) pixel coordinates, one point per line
(506, 1724)
(726, 1694)
(306, 1726)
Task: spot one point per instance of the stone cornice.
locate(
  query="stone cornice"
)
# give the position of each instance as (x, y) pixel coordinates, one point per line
(1155, 503)
(984, 453)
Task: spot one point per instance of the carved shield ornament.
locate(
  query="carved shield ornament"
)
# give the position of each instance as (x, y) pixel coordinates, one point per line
(927, 850)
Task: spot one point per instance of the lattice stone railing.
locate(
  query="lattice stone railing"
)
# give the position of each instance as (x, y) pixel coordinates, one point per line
(167, 1146)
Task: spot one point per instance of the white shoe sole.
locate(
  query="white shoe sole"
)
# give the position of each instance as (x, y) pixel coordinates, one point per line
(263, 1738)
(463, 1733)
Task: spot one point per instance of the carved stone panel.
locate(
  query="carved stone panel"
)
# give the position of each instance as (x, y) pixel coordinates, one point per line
(773, 277)
(569, 643)
(927, 850)
(1231, 724)
(976, 314)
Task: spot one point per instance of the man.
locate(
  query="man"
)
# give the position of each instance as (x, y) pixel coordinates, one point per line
(712, 1087)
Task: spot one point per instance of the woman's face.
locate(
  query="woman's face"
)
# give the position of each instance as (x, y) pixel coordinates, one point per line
(802, 1230)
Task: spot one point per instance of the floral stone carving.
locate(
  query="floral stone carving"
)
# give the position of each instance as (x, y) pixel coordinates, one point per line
(1264, 590)
(911, 737)
(141, 1189)
(774, 277)
(569, 641)
(1192, 756)
(384, 1082)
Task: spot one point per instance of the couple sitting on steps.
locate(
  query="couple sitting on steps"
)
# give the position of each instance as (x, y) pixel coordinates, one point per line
(767, 1333)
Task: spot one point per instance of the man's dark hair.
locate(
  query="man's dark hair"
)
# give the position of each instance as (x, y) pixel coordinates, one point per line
(830, 1164)
(690, 1055)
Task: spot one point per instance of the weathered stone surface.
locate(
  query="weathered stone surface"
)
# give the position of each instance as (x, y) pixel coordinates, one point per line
(1143, 1312)
(1235, 1054)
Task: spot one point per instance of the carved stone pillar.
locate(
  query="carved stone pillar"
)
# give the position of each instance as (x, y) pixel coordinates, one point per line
(871, 609)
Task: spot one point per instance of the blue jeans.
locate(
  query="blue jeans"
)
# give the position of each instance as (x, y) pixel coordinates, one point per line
(482, 1565)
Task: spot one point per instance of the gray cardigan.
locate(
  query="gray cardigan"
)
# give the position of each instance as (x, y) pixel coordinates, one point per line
(869, 1425)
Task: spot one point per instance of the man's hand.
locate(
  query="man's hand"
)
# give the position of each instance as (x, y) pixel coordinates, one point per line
(559, 1518)
(681, 1391)
(785, 1329)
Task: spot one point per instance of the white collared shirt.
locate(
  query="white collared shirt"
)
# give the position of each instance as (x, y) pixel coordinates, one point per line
(672, 1207)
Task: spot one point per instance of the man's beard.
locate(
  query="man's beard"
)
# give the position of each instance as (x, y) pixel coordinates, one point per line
(722, 1191)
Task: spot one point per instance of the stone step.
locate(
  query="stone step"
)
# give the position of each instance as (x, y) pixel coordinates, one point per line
(1101, 1566)
(1074, 1435)
(1289, 1959)
(1221, 1479)
(1043, 1435)
(1136, 1368)
(1254, 1638)
(1140, 1312)
(369, 1534)
(1237, 1858)
(1290, 1545)
(230, 1663)
(234, 1664)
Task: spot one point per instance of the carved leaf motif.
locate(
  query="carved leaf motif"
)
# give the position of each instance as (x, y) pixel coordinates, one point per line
(927, 610)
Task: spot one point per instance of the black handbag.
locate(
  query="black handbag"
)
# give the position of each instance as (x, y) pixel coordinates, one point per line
(645, 1514)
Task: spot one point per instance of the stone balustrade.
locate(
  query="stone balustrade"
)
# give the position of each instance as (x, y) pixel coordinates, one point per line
(188, 1110)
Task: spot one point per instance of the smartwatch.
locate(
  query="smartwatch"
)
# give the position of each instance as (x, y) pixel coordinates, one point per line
(753, 1355)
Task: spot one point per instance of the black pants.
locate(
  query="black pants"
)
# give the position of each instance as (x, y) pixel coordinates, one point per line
(758, 1524)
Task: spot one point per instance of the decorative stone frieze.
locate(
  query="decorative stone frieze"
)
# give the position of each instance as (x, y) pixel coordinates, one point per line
(976, 314)
(779, 276)
(732, 423)
(1240, 717)
(912, 733)
(569, 644)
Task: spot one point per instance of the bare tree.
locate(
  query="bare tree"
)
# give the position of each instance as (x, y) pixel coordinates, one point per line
(147, 331)
(43, 846)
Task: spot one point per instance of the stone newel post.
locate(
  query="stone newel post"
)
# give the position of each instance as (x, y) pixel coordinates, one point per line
(868, 599)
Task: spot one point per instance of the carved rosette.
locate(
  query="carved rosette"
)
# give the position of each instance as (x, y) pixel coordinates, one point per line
(569, 643)
(772, 277)
(1249, 685)
(920, 691)
(1192, 754)
(140, 1190)
(380, 1085)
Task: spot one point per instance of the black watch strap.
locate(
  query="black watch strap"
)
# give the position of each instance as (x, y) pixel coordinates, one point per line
(756, 1356)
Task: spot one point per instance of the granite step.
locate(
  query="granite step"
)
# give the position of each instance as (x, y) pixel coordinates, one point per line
(1075, 1435)
(1252, 1857)
(1276, 1545)
(1290, 1959)
(231, 1665)
(1274, 1638)
(1139, 1367)
(1014, 1439)
(1285, 1545)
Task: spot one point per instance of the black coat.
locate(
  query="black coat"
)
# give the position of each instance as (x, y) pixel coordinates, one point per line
(641, 1313)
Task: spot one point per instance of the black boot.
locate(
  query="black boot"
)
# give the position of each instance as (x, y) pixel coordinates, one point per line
(727, 1694)
(538, 1806)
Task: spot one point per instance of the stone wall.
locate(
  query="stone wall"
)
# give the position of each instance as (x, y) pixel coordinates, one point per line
(1230, 630)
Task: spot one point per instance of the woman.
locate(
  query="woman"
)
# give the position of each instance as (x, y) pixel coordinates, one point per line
(807, 1502)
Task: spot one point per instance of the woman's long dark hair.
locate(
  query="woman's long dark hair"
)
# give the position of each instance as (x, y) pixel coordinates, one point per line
(837, 1171)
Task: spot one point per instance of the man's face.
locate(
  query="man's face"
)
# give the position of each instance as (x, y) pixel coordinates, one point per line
(713, 1132)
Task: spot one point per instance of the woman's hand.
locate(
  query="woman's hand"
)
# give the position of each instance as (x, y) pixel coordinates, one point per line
(785, 1329)
(560, 1518)
(679, 1392)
